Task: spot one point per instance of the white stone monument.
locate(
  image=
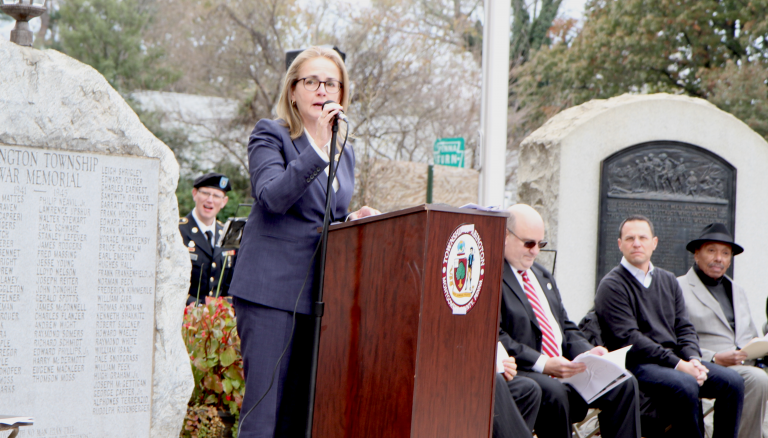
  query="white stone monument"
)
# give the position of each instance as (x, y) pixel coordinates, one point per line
(559, 173)
(93, 273)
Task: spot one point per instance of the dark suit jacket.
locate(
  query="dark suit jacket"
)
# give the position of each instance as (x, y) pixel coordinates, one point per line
(207, 262)
(520, 332)
(288, 185)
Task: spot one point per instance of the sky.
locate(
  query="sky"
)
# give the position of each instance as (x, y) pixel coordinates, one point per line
(7, 26)
(572, 8)
(569, 8)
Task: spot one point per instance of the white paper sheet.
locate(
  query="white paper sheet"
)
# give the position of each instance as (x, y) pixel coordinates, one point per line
(603, 373)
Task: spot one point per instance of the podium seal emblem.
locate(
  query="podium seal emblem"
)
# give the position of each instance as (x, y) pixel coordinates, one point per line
(463, 269)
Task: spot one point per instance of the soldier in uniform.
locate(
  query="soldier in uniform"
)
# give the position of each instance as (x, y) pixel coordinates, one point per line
(211, 267)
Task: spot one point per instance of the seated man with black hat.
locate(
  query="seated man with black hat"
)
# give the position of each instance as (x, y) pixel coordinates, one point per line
(719, 310)
(211, 267)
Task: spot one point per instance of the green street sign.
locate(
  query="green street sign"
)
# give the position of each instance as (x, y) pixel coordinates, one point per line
(449, 152)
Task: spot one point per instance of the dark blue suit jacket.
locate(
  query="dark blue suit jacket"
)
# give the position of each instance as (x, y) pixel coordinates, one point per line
(288, 184)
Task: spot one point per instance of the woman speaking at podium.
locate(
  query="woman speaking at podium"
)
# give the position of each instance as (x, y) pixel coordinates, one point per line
(276, 273)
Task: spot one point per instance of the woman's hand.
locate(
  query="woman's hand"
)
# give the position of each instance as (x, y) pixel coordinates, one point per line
(324, 124)
(363, 212)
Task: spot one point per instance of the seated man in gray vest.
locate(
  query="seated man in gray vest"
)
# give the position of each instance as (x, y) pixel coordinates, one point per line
(718, 309)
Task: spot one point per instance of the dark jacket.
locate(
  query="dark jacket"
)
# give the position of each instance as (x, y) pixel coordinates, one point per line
(654, 320)
(519, 331)
(289, 188)
(207, 262)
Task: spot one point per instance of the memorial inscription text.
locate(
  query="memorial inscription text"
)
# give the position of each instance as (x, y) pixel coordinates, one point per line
(77, 285)
(679, 187)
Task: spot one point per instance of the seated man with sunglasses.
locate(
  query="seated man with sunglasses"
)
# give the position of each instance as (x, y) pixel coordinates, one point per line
(535, 329)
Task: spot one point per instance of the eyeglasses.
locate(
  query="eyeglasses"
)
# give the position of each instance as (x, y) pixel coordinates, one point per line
(206, 194)
(529, 243)
(312, 83)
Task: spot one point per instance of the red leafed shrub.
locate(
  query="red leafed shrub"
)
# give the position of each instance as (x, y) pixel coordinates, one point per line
(210, 334)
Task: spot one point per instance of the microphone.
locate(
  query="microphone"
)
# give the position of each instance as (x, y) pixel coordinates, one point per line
(341, 114)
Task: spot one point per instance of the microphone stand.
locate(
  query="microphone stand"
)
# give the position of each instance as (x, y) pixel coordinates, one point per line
(318, 305)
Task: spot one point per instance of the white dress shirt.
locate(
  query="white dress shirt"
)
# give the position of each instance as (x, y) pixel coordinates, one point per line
(542, 360)
(203, 228)
(323, 153)
(642, 277)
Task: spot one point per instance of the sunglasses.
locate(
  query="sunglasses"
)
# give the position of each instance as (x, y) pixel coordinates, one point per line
(529, 243)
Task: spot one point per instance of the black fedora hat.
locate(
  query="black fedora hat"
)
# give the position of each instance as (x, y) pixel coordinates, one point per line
(715, 232)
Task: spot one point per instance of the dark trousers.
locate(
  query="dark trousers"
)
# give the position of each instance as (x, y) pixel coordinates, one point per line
(561, 405)
(675, 395)
(516, 407)
(264, 334)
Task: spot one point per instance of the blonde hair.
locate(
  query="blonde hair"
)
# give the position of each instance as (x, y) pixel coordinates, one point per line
(288, 112)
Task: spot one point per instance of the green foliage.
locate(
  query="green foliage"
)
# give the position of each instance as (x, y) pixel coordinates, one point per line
(741, 90)
(703, 48)
(188, 155)
(240, 193)
(107, 35)
(530, 32)
(210, 334)
(461, 272)
(184, 196)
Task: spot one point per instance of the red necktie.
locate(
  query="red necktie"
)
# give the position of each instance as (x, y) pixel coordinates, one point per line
(548, 344)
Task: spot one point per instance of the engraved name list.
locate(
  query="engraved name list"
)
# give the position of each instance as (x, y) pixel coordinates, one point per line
(77, 288)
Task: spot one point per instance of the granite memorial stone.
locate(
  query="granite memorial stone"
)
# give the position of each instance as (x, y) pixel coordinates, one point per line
(78, 246)
(591, 165)
(93, 273)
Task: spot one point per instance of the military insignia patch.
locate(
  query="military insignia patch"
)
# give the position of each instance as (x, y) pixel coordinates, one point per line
(183, 221)
(223, 182)
(463, 269)
(191, 244)
(194, 229)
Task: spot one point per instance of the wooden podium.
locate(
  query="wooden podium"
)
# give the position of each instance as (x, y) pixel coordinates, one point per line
(395, 361)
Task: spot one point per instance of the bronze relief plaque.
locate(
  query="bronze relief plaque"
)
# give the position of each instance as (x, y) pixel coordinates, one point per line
(678, 186)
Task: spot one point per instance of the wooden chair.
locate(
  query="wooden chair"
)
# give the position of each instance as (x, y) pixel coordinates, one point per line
(588, 427)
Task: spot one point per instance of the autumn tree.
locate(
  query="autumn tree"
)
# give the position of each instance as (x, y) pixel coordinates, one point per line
(530, 27)
(703, 48)
(107, 35)
(412, 84)
(535, 25)
(412, 72)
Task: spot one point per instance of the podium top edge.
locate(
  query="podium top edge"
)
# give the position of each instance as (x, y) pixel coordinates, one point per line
(443, 208)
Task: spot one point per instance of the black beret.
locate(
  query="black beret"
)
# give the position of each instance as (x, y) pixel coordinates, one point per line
(215, 180)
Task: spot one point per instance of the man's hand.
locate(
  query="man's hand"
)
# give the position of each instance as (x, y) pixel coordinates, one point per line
(562, 367)
(730, 358)
(598, 351)
(703, 371)
(694, 368)
(510, 368)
